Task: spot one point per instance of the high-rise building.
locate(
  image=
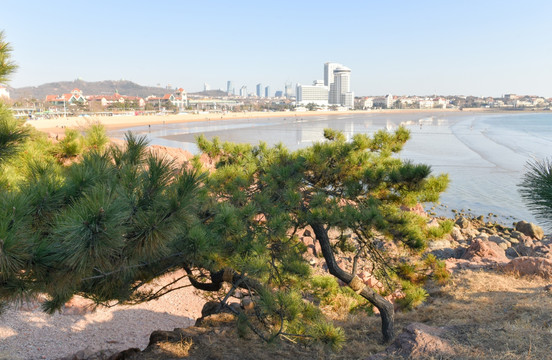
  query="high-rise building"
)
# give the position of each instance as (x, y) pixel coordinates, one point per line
(243, 91)
(206, 87)
(288, 90)
(259, 90)
(329, 68)
(267, 92)
(340, 88)
(230, 87)
(317, 93)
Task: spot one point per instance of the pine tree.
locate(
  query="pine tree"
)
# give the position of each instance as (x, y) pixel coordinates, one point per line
(339, 188)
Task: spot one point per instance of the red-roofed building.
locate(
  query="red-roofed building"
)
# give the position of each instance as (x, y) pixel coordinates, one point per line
(75, 97)
(104, 101)
(179, 100)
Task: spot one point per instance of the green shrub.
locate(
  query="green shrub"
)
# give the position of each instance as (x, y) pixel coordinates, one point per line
(328, 334)
(70, 145)
(95, 137)
(414, 295)
(437, 232)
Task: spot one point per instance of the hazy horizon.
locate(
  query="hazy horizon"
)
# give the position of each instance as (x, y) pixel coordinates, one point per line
(404, 48)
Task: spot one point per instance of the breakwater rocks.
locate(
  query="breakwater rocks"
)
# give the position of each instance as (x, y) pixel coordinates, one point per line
(473, 244)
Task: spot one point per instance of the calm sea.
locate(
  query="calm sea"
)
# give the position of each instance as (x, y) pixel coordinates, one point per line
(484, 154)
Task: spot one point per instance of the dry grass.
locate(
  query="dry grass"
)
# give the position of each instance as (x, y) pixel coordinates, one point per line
(489, 316)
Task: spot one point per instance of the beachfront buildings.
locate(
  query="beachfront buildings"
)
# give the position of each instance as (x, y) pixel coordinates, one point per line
(338, 80)
(329, 68)
(178, 100)
(73, 98)
(317, 93)
(340, 88)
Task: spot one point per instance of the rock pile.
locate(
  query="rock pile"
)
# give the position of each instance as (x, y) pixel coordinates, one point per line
(475, 244)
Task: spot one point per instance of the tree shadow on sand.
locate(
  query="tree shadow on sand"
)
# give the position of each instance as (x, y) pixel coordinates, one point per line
(33, 334)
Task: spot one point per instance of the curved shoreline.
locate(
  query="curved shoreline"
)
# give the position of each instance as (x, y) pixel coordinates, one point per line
(57, 126)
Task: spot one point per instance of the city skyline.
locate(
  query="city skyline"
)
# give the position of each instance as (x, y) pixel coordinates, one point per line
(475, 48)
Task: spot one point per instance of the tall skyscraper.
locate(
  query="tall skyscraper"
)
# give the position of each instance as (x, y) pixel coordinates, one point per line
(329, 68)
(340, 88)
(230, 87)
(206, 87)
(267, 92)
(243, 91)
(288, 90)
(259, 90)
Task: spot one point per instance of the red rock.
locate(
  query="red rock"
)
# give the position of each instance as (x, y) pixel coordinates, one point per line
(527, 265)
(485, 250)
(417, 341)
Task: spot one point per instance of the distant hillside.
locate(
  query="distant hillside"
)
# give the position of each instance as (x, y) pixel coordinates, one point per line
(210, 93)
(107, 87)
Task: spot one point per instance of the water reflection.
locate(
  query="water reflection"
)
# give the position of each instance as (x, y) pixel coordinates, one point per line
(483, 154)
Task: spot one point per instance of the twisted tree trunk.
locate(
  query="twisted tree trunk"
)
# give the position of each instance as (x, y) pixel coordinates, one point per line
(385, 307)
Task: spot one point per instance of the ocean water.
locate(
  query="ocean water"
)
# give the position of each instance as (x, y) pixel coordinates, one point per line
(484, 154)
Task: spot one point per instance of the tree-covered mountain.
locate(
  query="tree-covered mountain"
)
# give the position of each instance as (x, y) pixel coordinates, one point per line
(106, 87)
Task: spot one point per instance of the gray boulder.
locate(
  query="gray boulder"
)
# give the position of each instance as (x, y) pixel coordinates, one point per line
(530, 229)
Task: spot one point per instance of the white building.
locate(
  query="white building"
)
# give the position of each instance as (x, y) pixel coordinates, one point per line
(425, 103)
(316, 93)
(367, 103)
(329, 68)
(340, 88)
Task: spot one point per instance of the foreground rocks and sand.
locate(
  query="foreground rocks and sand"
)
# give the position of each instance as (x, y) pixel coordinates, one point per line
(81, 332)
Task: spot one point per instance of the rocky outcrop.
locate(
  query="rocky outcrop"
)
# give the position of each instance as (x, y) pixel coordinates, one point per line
(526, 265)
(482, 250)
(417, 341)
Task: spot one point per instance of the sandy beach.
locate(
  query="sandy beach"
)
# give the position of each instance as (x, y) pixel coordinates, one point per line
(58, 125)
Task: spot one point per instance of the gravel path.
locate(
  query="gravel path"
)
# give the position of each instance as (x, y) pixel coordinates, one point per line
(27, 333)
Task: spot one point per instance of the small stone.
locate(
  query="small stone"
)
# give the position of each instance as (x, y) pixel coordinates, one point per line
(463, 223)
(503, 243)
(512, 252)
(513, 240)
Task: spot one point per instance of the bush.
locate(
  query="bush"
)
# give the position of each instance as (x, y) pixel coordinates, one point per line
(95, 137)
(70, 145)
(414, 296)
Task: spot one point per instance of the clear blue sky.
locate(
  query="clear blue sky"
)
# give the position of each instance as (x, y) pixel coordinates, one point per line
(483, 48)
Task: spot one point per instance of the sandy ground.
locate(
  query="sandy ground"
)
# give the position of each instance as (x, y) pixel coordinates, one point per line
(56, 126)
(28, 333)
